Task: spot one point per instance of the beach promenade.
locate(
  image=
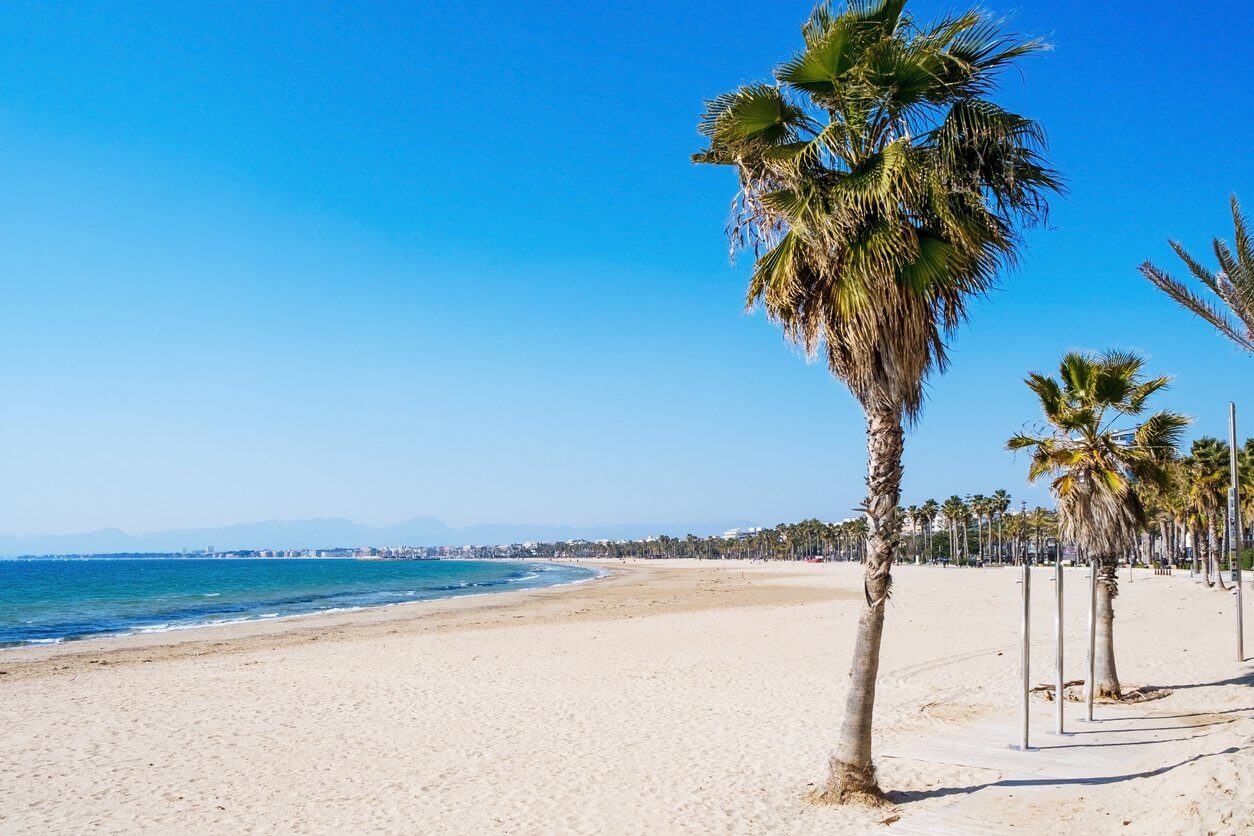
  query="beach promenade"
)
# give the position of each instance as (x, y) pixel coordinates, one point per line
(670, 697)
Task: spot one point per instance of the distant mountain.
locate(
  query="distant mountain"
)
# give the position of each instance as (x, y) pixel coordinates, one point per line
(334, 532)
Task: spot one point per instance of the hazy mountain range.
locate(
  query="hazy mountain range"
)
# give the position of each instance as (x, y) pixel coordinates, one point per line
(336, 533)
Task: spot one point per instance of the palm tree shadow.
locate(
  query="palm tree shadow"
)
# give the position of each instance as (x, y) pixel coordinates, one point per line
(1118, 743)
(941, 792)
(1246, 679)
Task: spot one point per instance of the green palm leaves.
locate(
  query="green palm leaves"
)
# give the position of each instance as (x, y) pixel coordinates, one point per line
(1094, 462)
(1229, 292)
(1207, 471)
(879, 188)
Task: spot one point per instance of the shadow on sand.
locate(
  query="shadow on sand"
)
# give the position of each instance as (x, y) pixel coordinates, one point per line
(941, 792)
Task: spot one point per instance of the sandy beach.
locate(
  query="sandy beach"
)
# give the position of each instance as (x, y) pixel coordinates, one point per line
(668, 697)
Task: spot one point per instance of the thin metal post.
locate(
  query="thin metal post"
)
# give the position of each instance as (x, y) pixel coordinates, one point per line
(1027, 650)
(1090, 683)
(1234, 527)
(1058, 680)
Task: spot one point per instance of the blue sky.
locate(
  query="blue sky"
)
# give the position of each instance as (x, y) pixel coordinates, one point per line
(270, 260)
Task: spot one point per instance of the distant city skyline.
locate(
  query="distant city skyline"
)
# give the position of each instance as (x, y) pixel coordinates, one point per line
(333, 533)
(399, 262)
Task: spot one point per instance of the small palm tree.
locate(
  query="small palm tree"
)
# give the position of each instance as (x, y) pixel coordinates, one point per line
(1096, 465)
(880, 190)
(1232, 283)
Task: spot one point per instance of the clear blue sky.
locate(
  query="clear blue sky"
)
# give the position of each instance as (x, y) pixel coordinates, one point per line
(295, 260)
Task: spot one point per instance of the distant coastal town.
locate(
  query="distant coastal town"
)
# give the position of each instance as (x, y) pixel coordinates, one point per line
(975, 530)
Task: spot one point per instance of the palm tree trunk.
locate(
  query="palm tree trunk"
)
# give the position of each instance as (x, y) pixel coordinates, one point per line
(1212, 553)
(851, 772)
(1197, 553)
(1105, 675)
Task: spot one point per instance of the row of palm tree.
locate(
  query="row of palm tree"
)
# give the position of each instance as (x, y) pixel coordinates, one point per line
(1119, 474)
(1011, 536)
(1189, 515)
(880, 190)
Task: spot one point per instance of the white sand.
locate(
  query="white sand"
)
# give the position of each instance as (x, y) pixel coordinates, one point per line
(669, 699)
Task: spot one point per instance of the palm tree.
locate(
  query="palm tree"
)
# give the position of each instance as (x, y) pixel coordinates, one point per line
(914, 516)
(1044, 524)
(1001, 504)
(966, 530)
(980, 510)
(1245, 469)
(880, 190)
(1017, 528)
(1232, 284)
(1207, 475)
(1095, 467)
(929, 509)
(955, 511)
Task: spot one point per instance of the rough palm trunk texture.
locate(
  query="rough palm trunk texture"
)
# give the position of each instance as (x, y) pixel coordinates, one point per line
(851, 776)
(1201, 558)
(1104, 672)
(1212, 548)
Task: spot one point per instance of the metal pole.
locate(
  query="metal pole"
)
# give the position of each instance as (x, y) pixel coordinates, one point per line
(1234, 527)
(1090, 684)
(1058, 682)
(1027, 648)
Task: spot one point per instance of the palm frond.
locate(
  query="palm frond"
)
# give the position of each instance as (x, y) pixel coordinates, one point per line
(1233, 283)
(1196, 305)
(880, 188)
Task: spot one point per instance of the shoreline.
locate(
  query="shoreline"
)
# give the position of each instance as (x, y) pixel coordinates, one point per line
(180, 627)
(218, 636)
(460, 612)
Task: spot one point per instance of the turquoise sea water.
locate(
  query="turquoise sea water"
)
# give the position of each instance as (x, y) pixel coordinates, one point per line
(46, 601)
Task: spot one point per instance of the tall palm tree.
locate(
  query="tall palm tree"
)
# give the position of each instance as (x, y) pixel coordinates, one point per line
(955, 511)
(980, 510)
(914, 516)
(1245, 464)
(966, 530)
(1207, 469)
(1001, 504)
(880, 190)
(1017, 528)
(930, 509)
(1095, 466)
(1043, 524)
(1232, 284)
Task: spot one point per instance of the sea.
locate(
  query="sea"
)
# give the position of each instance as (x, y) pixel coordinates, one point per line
(48, 601)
